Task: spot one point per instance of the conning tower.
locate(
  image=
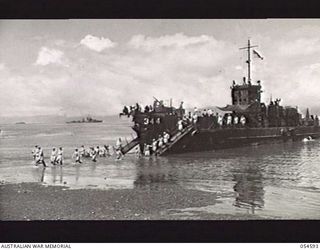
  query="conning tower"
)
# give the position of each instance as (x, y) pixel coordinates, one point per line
(246, 93)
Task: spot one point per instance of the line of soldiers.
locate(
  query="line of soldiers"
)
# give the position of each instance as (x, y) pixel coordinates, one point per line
(38, 155)
(93, 152)
(127, 110)
(218, 120)
(161, 142)
(56, 157)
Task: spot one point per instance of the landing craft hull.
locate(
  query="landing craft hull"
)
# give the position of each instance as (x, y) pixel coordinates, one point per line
(215, 139)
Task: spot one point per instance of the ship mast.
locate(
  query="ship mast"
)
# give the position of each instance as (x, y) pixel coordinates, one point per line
(248, 48)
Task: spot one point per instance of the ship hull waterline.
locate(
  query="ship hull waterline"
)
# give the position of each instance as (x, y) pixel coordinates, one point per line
(217, 139)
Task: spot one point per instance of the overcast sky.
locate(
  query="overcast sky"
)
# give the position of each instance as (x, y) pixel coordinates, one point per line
(79, 67)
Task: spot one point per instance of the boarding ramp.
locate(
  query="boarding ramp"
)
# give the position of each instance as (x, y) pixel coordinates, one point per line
(130, 145)
(174, 139)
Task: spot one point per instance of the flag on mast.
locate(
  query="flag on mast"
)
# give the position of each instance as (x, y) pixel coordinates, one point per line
(257, 54)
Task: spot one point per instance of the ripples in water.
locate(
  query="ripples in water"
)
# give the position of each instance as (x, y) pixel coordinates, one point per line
(271, 181)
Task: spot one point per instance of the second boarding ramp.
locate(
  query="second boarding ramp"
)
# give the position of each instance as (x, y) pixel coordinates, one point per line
(129, 146)
(174, 139)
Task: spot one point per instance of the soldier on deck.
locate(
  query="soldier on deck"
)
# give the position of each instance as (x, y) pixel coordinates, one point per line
(138, 108)
(316, 120)
(204, 113)
(242, 120)
(195, 118)
(180, 125)
(146, 109)
(236, 120)
(224, 119)
(220, 120)
(150, 108)
(229, 120)
(181, 105)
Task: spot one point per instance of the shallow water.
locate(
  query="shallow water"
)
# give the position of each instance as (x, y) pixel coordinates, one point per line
(279, 181)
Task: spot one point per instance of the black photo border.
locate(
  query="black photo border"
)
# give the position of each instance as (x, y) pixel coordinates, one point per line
(159, 231)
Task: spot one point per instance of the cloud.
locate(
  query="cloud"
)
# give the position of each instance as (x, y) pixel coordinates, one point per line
(96, 43)
(189, 70)
(178, 53)
(185, 68)
(2, 66)
(195, 69)
(60, 42)
(305, 87)
(177, 40)
(300, 47)
(48, 56)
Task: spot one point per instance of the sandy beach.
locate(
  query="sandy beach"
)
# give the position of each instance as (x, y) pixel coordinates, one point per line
(32, 201)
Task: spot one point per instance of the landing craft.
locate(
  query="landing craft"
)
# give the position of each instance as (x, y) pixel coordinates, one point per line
(246, 121)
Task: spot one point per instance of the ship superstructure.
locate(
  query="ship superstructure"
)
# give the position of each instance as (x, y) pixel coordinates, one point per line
(245, 121)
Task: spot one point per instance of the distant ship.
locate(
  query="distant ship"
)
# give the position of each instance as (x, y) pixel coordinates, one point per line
(246, 121)
(88, 119)
(20, 123)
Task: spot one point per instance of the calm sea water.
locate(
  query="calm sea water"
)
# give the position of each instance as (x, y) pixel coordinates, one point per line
(280, 181)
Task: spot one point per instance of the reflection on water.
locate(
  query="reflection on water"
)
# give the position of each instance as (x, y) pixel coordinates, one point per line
(90, 175)
(152, 172)
(249, 189)
(57, 175)
(272, 181)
